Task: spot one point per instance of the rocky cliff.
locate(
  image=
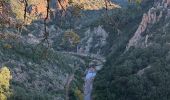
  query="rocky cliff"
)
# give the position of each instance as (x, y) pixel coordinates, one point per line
(94, 41)
(150, 18)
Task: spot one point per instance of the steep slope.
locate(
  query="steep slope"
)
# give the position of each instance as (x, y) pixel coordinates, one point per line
(139, 69)
(151, 17)
(38, 72)
(44, 73)
(134, 39)
(35, 9)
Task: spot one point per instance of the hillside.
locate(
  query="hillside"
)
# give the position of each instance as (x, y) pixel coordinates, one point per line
(40, 72)
(126, 46)
(138, 68)
(37, 72)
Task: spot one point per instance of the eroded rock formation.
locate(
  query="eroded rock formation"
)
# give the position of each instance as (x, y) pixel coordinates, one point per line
(149, 18)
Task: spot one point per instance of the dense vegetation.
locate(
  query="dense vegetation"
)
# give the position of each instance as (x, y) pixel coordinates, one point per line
(40, 70)
(29, 65)
(139, 73)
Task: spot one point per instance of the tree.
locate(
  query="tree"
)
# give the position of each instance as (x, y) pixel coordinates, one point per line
(71, 38)
(5, 78)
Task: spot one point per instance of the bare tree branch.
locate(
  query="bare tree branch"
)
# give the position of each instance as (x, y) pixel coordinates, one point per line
(25, 9)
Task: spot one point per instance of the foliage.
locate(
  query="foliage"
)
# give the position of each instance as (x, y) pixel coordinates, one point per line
(7, 46)
(5, 78)
(52, 70)
(121, 78)
(123, 81)
(79, 94)
(71, 38)
(135, 1)
(76, 94)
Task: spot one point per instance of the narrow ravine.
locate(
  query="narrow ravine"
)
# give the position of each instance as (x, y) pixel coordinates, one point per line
(88, 83)
(90, 76)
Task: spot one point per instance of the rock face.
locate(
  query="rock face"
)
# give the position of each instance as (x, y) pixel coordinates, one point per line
(40, 9)
(93, 41)
(151, 17)
(62, 4)
(35, 9)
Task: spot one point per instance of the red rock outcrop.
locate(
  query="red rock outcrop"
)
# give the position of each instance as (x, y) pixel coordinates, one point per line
(149, 18)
